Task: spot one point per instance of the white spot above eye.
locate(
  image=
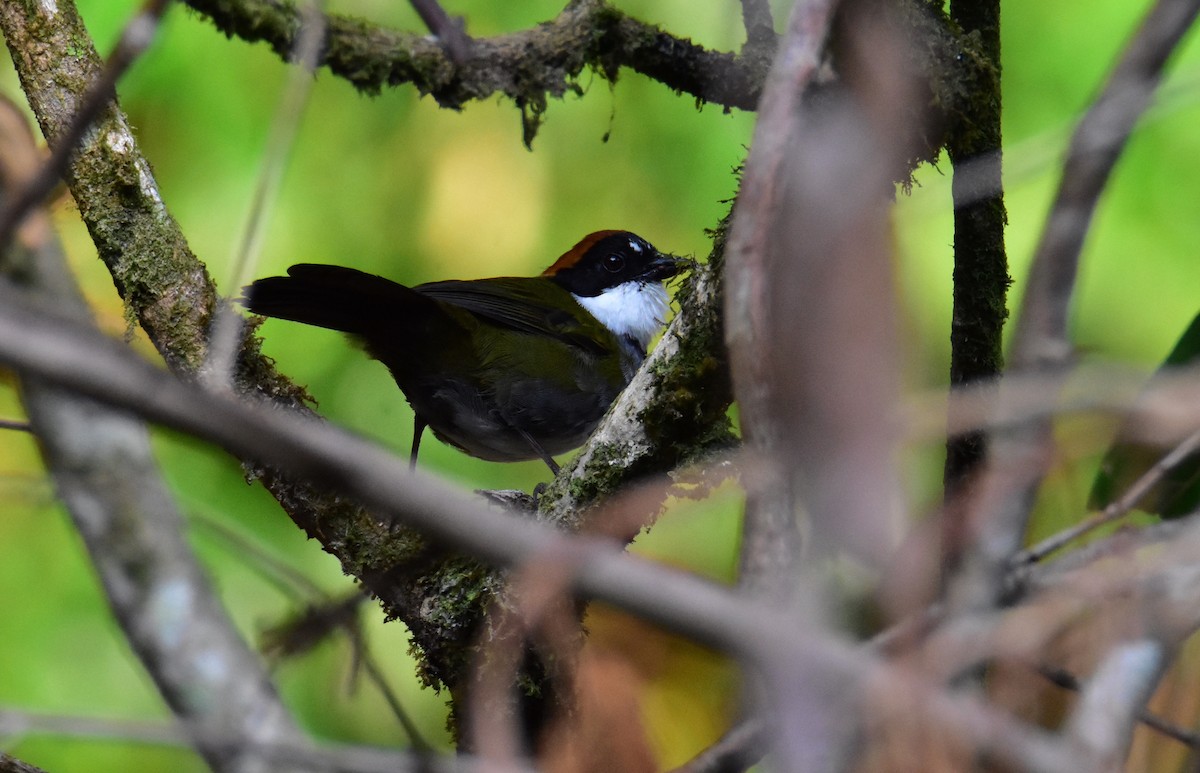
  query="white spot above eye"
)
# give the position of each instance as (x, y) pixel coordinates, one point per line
(633, 245)
(633, 309)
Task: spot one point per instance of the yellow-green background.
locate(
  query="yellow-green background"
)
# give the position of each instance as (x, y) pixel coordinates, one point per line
(393, 185)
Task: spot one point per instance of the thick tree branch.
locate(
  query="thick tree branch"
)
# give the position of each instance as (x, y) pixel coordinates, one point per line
(980, 263)
(135, 38)
(527, 66)
(532, 65)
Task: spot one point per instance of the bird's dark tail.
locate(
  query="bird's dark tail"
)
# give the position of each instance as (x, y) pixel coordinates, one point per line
(335, 297)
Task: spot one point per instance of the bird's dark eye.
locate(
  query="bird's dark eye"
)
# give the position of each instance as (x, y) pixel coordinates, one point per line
(614, 262)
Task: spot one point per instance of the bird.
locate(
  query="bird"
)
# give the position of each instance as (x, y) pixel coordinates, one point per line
(504, 369)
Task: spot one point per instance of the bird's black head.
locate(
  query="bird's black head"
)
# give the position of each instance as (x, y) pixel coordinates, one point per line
(606, 259)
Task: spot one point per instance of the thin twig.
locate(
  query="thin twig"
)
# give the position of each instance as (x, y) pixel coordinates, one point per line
(357, 759)
(139, 32)
(1116, 509)
(380, 680)
(1068, 681)
(449, 32)
(15, 424)
(742, 747)
(271, 569)
(226, 340)
(287, 579)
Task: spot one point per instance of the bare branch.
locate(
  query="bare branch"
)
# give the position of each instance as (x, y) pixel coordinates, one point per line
(1040, 340)
(1186, 737)
(811, 306)
(15, 425)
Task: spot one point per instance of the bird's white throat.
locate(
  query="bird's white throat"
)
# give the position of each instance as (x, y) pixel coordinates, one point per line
(633, 309)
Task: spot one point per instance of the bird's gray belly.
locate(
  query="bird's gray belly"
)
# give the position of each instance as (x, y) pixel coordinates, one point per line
(489, 428)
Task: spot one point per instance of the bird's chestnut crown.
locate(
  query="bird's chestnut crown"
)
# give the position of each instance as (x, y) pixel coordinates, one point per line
(606, 259)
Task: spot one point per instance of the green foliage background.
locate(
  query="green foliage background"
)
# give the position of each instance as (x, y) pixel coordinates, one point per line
(393, 185)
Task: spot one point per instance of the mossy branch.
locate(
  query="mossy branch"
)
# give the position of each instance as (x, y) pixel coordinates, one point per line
(530, 66)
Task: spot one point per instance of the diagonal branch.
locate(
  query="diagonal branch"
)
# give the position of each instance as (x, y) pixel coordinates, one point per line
(135, 38)
(1040, 339)
(104, 469)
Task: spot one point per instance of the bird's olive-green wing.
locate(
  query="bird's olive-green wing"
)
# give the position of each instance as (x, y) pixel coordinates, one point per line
(527, 306)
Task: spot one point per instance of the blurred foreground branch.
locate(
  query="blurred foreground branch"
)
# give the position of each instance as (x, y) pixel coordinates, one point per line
(47, 346)
(105, 473)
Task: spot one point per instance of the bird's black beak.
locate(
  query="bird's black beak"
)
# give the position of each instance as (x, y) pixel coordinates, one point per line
(664, 267)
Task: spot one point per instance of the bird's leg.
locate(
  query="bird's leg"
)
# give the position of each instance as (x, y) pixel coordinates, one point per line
(537, 448)
(419, 426)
